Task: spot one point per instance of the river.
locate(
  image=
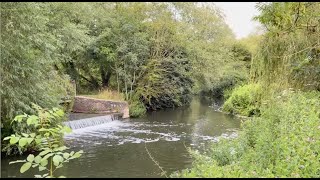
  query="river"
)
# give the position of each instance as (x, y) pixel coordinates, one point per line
(118, 148)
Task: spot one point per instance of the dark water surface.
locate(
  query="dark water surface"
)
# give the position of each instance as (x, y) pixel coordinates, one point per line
(117, 148)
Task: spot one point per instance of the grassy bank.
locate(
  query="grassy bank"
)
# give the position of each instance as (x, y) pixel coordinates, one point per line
(282, 142)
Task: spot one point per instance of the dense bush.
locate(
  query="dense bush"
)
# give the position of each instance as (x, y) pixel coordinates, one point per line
(45, 132)
(283, 142)
(244, 100)
(29, 50)
(136, 108)
(23, 124)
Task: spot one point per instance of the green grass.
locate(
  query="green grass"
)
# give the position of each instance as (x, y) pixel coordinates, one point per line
(107, 95)
(283, 142)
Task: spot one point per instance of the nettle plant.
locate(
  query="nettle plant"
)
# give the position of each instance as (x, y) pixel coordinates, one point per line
(47, 133)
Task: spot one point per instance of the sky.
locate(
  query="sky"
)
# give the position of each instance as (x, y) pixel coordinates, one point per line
(239, 17)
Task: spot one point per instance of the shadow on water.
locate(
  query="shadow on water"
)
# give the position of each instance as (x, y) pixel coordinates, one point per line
(117, 148)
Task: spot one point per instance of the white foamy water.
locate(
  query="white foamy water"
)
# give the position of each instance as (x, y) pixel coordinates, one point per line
(87, 122)
(119, 132)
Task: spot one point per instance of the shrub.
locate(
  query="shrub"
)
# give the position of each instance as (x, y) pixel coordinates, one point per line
(136, 108)
(22, 124)
(282, 142)
(46, 135)
(244, 100)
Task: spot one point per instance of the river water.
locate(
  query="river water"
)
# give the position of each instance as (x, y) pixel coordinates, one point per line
(118, 148)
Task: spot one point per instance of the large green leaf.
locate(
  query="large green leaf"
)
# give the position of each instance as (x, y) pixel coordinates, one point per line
(23, 142)
(57, 159)
(14, 140)
(25, 167)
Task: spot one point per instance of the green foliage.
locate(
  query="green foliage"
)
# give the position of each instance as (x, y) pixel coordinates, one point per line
(289, 52)
(26, 127)
(165, 84)
(244, 100)
(46, 135)
(125, 38)
(136, 108)
(240, 52)
(28, 52)
(283, 142)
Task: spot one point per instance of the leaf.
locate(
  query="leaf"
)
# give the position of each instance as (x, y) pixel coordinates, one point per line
(29, 140)
(62, 148)
(60, 113)
(45, 152)
(41, 168)
(77, 154)
(37, 159)
(14, 140)
(19, 117)
(25, 167)
(37, 176)
(23, 142)
(38, 141)
(30, 158)
(44, 162)
(43, 129)
(48, 155)
(55, 145)
(72, 152)
(33, 135)
(32, 120)
(6, 138)
(61, 177)
(57, 159)
(66, 155)
(25, 135)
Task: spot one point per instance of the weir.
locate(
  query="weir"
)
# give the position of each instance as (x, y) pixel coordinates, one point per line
(93, 121)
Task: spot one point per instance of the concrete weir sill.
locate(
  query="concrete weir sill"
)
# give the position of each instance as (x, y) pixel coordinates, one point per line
(100, 106)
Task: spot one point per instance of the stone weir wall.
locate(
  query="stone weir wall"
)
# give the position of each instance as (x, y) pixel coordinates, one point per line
(99, 106)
